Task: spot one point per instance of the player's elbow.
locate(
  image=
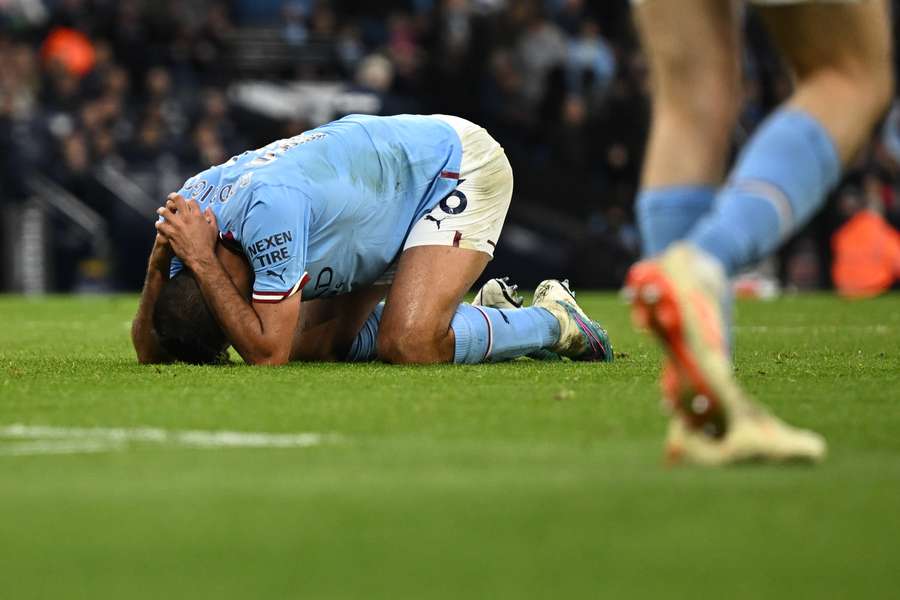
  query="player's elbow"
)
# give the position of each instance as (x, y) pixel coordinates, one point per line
(145, 359)
(144, 347)
(266, 357)
(267, 361)
(136, 331)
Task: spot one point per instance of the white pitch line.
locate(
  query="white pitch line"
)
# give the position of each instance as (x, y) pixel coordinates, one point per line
(39, 447)
(71, 440)
(815, 329)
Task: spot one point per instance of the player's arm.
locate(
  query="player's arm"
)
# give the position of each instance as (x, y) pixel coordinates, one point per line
(143, 335)
(261, 333)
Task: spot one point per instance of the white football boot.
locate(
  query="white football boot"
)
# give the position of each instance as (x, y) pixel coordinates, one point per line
(580, 337)
(499, 293)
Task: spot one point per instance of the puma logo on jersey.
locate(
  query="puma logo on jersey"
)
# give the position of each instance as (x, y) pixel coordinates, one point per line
(278, 275)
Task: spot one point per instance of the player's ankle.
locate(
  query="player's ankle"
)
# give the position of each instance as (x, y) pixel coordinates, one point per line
(708, 267)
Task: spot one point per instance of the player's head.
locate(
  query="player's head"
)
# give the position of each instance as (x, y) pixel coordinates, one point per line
(184, 324)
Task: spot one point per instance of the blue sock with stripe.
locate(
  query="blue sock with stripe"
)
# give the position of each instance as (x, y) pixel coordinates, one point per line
(494, 335)
(667, 214)
(780, 180)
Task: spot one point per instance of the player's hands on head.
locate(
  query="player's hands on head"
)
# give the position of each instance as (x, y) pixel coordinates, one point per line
(190, 233)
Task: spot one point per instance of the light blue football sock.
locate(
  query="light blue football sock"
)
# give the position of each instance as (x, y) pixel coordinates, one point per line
(781, 178)
(482, 334)
(667, 214)
(364, 346)
(494, 335)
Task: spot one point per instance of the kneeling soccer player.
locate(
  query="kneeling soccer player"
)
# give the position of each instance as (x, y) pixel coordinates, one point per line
(410, 207)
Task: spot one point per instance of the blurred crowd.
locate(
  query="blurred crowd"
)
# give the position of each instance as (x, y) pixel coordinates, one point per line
(117, 102)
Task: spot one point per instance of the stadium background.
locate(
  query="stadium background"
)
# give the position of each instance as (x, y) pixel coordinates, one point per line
(107, 106)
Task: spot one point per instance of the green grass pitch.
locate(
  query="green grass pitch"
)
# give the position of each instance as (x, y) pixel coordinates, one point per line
(521, 480)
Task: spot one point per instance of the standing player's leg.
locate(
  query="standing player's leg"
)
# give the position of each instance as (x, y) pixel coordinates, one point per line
(693, 50)
(840, 54)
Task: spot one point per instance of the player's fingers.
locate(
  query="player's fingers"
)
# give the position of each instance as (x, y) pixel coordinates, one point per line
(164, 228)
(165, 213)
(191, 207)
(210, 217)
(180, 204)
(170, 204)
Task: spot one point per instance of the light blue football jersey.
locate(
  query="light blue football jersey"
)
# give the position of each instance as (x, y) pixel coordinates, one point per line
(329, 210)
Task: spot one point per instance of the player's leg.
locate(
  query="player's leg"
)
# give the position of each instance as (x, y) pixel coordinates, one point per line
(427, 291)
(692, 47)
(342, 328)
(503, 294)
(423, 320)
(841, 57)
(840, 53)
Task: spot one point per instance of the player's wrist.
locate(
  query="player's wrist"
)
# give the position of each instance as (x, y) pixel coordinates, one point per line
(161, 257)
(200, 264)
(160, 261)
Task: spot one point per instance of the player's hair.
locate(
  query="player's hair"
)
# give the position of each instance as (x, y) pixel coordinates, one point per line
(184, 324)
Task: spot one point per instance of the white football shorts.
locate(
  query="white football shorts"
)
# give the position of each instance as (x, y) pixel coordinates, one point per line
(472, 215)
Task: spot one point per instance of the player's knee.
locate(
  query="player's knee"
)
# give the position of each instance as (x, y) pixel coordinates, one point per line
(704, 84)
(393, 349)
(398, 350)
(708, 102)
(406, 346)
(865, 83)
(875, 82)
